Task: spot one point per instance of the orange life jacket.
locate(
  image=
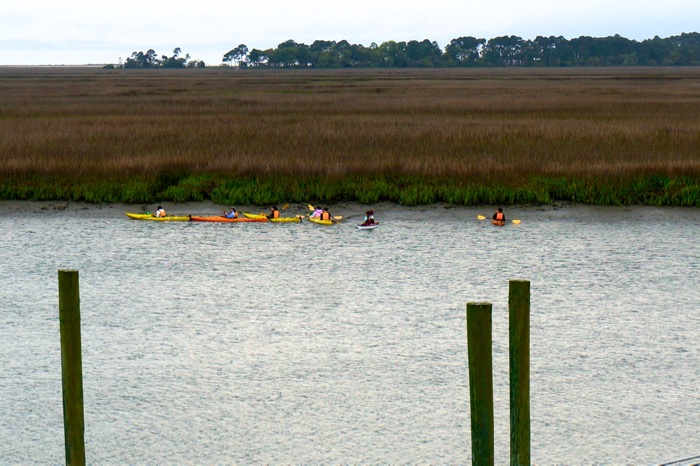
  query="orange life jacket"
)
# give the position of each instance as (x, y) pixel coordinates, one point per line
(325, 216)
(275, 214)
(500, 216)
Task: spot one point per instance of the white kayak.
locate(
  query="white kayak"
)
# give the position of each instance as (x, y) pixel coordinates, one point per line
(367, 227)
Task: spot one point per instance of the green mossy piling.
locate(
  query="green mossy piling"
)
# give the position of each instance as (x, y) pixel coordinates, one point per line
(519, 365)
(479, 344)
(71, 366)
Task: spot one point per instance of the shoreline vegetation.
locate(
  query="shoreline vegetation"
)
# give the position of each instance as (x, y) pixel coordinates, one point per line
(652, 191)
(599, 136)
(465, 51)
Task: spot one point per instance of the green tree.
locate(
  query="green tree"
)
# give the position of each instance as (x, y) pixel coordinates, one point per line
(423, 54)
(653, 51)
(685, 49)
(176, 61)
(257, 58)
(504, 51)
(549, 51)
(142, 60)
(236, 56)
(393, 54)
(465, 51)
(344, 52)
(320, 53)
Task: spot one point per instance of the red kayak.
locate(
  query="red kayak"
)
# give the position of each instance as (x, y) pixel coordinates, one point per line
(222, 219)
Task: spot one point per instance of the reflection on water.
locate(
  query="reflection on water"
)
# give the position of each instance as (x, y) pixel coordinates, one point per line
(259, 343)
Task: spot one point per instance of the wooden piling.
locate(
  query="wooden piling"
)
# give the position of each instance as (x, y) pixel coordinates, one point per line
(519, 357)
(71, 366)
(479, 344)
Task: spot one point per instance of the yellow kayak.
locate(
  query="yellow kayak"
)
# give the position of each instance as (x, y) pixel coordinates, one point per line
(167, 218)
(319, 221)
(337, 218)
(274, 220)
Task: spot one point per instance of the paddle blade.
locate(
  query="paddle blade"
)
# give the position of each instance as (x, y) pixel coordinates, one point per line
(284, 206)
(310, 207)
(337, 217)
(517, 222)
(480, 217)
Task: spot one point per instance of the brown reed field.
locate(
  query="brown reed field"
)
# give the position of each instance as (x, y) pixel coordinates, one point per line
(469, 127)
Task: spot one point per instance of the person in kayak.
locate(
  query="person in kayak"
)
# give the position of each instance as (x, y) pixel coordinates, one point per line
(231, 213)
(499, 216)
(369, 218)
(160, 212)
(317, 213)
(274, 212)
(325, 215)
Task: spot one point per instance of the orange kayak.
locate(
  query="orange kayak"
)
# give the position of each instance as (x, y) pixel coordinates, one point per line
(498, 223)
(222, 219)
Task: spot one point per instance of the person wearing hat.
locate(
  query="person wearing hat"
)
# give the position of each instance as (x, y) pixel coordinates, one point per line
(160, 212)
(231, 214)
(369, 218)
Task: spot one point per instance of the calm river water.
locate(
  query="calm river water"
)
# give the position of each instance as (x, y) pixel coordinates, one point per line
(297, 343)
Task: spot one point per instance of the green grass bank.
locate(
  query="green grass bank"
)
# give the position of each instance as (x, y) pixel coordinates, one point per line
(409, 191)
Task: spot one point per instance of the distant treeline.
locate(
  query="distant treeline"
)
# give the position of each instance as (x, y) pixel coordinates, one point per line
(682, 50)
(150, 59)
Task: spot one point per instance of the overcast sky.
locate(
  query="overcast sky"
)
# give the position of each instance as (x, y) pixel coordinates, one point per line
(74, 32)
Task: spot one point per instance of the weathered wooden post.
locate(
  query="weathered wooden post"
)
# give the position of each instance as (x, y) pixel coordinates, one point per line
(71, 366)
(519, 356)
(479, 344)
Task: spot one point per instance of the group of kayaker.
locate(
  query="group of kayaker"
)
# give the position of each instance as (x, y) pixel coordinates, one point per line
(320, 213)
(274, 213)
(323, 214)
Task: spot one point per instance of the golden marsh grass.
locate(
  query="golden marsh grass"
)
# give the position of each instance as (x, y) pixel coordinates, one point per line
(467, 125)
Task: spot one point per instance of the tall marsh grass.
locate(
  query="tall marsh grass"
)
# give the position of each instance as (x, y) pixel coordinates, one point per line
(600, 136)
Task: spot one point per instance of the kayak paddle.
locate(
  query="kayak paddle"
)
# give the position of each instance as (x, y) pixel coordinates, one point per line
(481, 217)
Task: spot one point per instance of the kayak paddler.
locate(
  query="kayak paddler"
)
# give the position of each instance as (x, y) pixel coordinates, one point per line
(325, 215)
(499, 216)
(369, 218)
(231, 213)
(160, 212)
(274, 212)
